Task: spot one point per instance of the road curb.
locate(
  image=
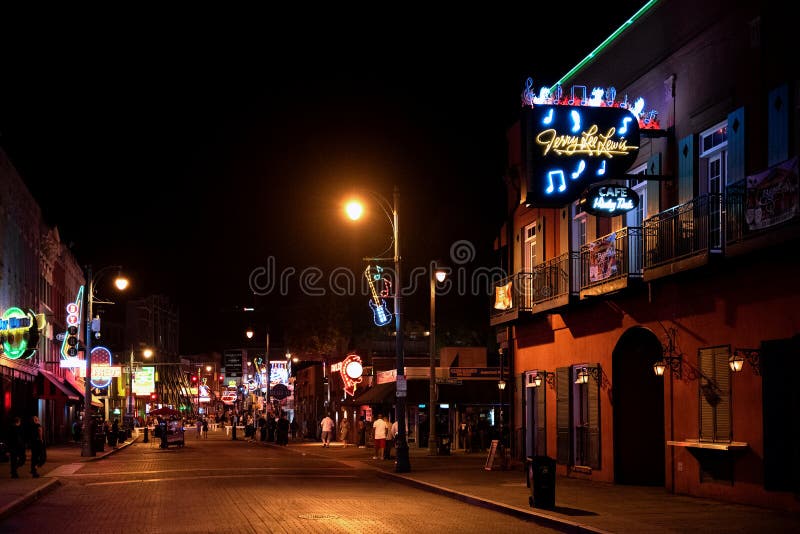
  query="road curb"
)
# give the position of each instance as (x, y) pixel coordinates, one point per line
(542, 519)
(112, 451)
(28, 498)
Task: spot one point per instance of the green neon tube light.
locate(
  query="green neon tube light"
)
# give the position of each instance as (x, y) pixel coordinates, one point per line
(596, 52)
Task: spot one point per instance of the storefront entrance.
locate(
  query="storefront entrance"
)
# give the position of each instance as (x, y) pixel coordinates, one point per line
(638, 410)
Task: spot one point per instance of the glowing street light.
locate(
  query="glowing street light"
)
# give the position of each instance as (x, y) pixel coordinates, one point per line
(354, 211)
(249, 333)
(121, 282)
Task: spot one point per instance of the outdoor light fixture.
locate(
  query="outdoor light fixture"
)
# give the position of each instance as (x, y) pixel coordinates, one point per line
(739, 356)
(121, 282)
(439, 275)
(249, 333)
(583, 376)
(659, 367)
(391, 210)
(501, 385)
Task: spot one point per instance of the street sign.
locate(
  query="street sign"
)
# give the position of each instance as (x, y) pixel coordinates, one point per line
(454, 381)
(402, 386)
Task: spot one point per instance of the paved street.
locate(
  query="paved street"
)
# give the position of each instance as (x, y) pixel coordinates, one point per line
(220, 485)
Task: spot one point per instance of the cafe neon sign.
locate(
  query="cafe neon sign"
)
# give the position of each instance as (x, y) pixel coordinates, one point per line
(609, 200)
(19, 333)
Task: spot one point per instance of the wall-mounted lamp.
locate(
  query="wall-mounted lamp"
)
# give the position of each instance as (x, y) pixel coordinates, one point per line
(751, 356)
(674, 364)
(539, 377)
(501, 385)
(583, 376)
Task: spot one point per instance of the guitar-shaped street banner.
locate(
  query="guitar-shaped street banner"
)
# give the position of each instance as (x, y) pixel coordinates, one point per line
(380, 312)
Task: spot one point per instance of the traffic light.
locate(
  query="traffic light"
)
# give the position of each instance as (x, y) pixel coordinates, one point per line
(72, 341)
(153, 396)
(194, 379)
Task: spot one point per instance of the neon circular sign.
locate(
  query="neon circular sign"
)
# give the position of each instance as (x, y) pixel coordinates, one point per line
(15, 333)
(101, 356)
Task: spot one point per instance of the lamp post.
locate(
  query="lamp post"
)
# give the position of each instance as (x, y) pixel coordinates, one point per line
(354, 211)
(438, 275)
(121, 283)
(131, 408)
(501, 386)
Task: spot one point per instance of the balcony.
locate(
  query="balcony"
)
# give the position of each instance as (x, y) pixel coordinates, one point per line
(683, 237)
(549, 286)
(611, 263)
(748, 231)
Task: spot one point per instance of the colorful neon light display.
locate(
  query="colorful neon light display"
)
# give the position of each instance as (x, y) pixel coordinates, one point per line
(609, 200)
(350, 369)
(101, 356)
(19, 333)
(74, 316)
(561, 161)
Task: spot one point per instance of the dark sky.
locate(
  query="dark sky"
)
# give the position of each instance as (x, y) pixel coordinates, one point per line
(192, 151)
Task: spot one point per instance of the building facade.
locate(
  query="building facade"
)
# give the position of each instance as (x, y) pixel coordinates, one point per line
(694, 282)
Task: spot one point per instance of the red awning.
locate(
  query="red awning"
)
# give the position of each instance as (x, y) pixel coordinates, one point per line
(59, 384)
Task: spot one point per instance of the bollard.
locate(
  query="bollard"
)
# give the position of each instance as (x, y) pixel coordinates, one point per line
(146, 434)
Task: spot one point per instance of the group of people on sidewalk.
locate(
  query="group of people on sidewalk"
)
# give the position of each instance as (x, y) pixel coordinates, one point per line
(383, 434)
(17, 446)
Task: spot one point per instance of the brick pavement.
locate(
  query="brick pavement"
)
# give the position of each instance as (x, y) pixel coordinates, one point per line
(581, 506)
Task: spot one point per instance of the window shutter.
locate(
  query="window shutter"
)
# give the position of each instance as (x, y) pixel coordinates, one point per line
(653, 187)
(686, 169)
(722, 375)
(593, 391)
(541, 420)
(715, 412)
(778, 126)
(562, 415)
(706, 363)
(736, 147)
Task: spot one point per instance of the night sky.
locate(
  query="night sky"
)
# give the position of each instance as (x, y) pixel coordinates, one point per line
(191, 152)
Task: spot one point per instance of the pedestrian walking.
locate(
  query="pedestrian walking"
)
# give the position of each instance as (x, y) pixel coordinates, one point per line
(362, 433)
(205, 429)
(262, 427)
(390, 441)
(344, 431)
(293, 428)
(199, 426)
(327, 425)
(234, 422)
(282, 432)
(16, 446)
(37, 446)
(381, 430)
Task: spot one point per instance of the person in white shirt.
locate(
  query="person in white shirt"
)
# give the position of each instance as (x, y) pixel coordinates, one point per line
(328, 426)
(381, 430)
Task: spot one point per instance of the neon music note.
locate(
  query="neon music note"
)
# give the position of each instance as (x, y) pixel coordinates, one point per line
(561, 187)
(549, 118)
(602, 170)
(581, 167)
(624, 128)
(576, 120)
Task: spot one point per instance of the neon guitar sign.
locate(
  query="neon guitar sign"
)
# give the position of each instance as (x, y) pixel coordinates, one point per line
(380, 313)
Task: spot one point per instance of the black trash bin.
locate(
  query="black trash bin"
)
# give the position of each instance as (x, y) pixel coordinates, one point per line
(99, 442)
(443, 444)
(541, 478)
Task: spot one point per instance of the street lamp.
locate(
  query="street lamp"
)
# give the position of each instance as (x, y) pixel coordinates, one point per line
(147, 353)
(91, 280)
(438, 275)
(354, 211)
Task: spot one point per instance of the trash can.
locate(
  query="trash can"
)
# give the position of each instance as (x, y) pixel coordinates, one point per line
(99, 442)
(443, 444)
(541, 478)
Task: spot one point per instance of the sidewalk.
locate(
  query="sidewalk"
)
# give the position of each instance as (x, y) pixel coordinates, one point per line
(16, 494)
(581, 506)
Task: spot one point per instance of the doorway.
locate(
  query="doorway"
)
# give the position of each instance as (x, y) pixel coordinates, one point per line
(639, 446)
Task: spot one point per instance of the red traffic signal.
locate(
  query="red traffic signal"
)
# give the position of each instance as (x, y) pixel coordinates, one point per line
(194, 378)
(153, 396)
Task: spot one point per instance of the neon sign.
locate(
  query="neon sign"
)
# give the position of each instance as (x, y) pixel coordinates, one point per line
(74, 314)
(350, 370)
(101, 357)
(19, 333)
(568, 148)
(609, 200)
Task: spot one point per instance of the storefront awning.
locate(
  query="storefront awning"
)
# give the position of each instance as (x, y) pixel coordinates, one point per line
(77, 386)
(59, 384)
(418, 392)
